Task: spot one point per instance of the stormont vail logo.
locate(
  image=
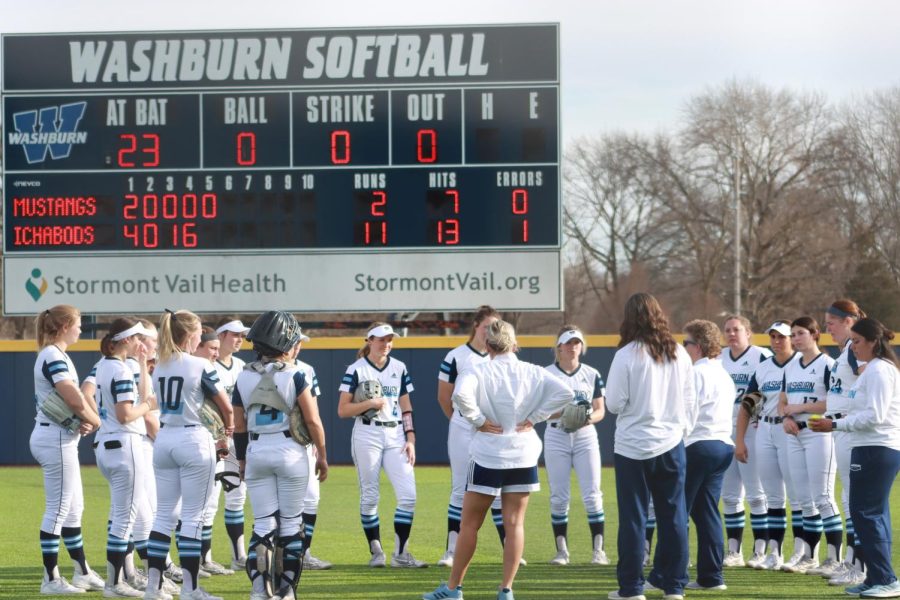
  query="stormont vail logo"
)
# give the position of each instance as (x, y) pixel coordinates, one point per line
(36, 285)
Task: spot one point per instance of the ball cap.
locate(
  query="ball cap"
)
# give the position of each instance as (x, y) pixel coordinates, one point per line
(234, 327)
(780, 327)
(571, 334)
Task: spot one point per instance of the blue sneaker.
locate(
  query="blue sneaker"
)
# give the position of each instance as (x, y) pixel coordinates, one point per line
(505, 594)
(442, 592)
(855, 590)
(887, 590)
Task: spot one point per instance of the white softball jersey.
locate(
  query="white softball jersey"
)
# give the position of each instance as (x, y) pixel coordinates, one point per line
(52, 366)
(844, 373)
(586, 382)
(311, 377)
(807, 383)
(768, 379)
(290, 382)
(742, 367)
(181, 384)
(115, 383)
(459, 360)
(228, 374)
(395, 382)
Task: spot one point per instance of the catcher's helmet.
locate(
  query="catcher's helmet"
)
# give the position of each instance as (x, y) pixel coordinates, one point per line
(274, 332)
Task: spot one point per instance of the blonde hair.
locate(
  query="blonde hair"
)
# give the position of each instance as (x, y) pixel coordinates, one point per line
(48, 325)
(364, 351)
(742, 320)
(707, 336)
(174, 329)
(501, 337)
(562, 330)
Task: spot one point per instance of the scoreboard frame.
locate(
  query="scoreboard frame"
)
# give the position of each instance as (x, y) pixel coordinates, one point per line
(101, 163)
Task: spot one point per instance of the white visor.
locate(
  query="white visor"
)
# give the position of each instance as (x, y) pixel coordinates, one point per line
(380, 331)
(136, 329)
(234, 327)
(565, 336)
(781, 327)
(303, 337)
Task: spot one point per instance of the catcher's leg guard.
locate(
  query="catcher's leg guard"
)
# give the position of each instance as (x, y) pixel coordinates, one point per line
(261, 560)
(292, 548)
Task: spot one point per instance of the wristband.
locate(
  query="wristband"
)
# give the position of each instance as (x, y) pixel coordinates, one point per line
(241, 440)
(408, 426)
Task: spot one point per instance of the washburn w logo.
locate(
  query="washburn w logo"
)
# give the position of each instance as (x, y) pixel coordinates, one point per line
(51, 128)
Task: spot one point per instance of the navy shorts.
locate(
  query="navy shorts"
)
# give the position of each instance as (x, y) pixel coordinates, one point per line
(493, 482)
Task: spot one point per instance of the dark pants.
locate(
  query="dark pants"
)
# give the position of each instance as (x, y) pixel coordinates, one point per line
(872, 472)
(662, 478)
(707, 462)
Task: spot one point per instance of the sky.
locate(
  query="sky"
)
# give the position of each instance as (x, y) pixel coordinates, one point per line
(626, 65)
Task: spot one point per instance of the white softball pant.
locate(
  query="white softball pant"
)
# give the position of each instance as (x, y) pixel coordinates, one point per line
(311, 500)
(742, 479)
(812, 465)
(459, 438)
(563, 452)
(375, 447)
(56, 450)
(277, 471)
(772, 463)
(120, 458)
(184, 459)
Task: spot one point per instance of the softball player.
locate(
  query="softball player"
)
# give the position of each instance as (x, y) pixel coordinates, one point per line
(460, 432)
(311, 501)
(839, 318)
(386, 440)
(810, 454)
(120, 447)
(209, 349)
(231, 333)
(56, 450)
(276, 467)
(184, 454)
(742, 478)
(771, 455)
(579, 450)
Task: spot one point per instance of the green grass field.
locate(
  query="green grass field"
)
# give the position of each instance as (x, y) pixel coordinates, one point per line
(339, 539)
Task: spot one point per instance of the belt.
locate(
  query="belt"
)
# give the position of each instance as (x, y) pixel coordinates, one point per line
(44, 424)
(802, 425)
(255, 436)
(161, 425)
(836, 416)
(775, 420)
(366, 421)
(555, 425)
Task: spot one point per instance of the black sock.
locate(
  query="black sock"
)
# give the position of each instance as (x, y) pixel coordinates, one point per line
(75, 545)
(49, 552)
(309, 527)
(402, 526)
(777, 526)
(597, 529)
(189, 555)
(205, 542)
(734, 528)
(497, 516)
(157, 549)
(292, 554)
(759, 525)
(372, 528)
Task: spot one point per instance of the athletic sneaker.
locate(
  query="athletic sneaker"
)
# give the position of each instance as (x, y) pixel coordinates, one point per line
(89, 582)
(59, 587)
(773, 562)
(378, 560)
(599, 558)
(239, 564)
(199, 594)
(174, 573)
(561, 558)
(696, 586)
(121, 590)
(616, 596)
(733, 559)
(887, 590)
(446, 560)
(170, 587)
(801, 566)
(857, 589)
(315, 564)
(505, 595)
(158, 595)
(137, 580)
(756, 560)
(852, 576)
(646, 562)
(673, 597)
(796, 557)
(407, 561)
(826, 569)
(522, 562)
(215, 568)
(259, 596)
(443, 592)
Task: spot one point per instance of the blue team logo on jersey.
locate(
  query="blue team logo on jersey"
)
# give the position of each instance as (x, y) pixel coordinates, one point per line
(771, 386)
(52, 128)
(795, 387)
(581, 397)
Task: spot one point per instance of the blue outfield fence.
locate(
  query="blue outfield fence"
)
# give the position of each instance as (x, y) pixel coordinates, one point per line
(330, 357)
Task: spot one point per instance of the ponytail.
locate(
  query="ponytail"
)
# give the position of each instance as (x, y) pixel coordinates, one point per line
(174, 329)
(49, 324)
(364, 351)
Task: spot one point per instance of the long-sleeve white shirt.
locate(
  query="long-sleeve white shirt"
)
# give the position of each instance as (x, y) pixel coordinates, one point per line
(650, 400)
(874, 415)
(709, 415)
(508, 391)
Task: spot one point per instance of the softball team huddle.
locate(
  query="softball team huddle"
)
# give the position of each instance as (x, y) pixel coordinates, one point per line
(145, 400)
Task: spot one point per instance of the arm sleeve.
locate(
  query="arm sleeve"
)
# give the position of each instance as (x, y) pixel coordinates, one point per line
(406, 385)
(122, 387)
(350, 381)
(753, 386)
(210, 382)
(300, 382)
(236, 399)
(57, 370)
(448, 370)
(464, 395)
(617, 384)
(599, 387)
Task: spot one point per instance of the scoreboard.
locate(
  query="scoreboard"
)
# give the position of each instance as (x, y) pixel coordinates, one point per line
(363, 169)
